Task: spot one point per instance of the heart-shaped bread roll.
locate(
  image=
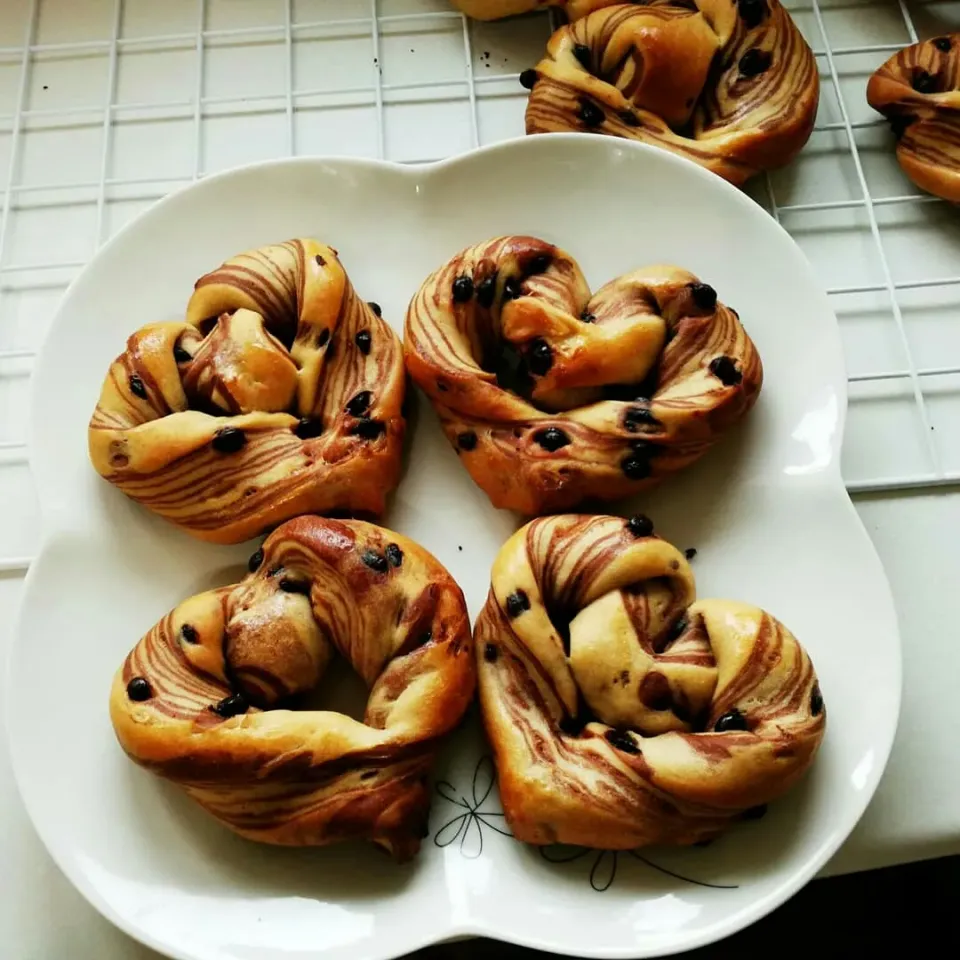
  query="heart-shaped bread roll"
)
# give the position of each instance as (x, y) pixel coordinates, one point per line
(204, 699)
(279, 394)
(622, 711)
(918, 91)
(552, 395)
(731, 86)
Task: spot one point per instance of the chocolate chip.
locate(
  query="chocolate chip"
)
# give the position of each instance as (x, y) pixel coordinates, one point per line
(635, 417)
(323, 336)
(487, 291)
(704, 296)
(924, 82)
(374, 561)
(622, 740)
(368, 429)
(139, 689)
(635, 467)
(256, 558)
(137, 388)
(490, 653)
(308, 427)
(754, 62)
(517, 602)
(590, 114)
(655, 692)
(467, 440)
(755, 813)
(511, 289)
(942, 44)
(731, 720)
(293, 585)
(539, 263)
(320, 261)
(582, 52)
(751, 12)
(588, 317)
(188, 633)
(539, 356)
(462, 289)
(231, 706)
(358, 405)
(528, 78)
(394, 554)
(640, 526)
(181, 355)
(816, 700)
(551, 439)
(572, 726)
(362, 340)
(690, 552)
(375, 307)
(629, 118)
(725, 370)
(228, 440)
(442, 387)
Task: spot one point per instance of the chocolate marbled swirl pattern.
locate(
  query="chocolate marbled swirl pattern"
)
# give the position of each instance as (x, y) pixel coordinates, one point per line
(552, 395)
(280, 393)
(732, 86)
(224, 668)
(622, 711)
(918, 91)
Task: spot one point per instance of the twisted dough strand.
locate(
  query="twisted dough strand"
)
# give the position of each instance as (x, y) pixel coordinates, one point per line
(280, 394)
(305, 777)
(623, 713)
(732, 87)
(553, 396)
(918, 91)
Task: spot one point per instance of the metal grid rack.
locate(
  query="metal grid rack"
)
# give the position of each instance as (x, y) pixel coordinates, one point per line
(107, 105)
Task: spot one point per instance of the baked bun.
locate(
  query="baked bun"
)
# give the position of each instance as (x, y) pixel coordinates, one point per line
(204, 699)
(918, 91)
(621, 711)
(733, 87)
(279, 394)
(553, 396)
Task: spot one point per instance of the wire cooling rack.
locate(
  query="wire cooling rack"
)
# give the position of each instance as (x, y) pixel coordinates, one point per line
(107, 105)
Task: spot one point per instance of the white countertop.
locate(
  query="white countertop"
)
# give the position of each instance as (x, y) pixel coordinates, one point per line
(275, 77)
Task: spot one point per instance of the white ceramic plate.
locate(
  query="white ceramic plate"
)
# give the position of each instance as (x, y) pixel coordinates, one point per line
(766, 510)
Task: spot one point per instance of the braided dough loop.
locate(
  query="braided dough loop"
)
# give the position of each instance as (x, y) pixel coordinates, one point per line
(497, 9)
(539, 437)
(592, 604)
(918, 91)
(279, 394)
(306, 777)
(733, 88)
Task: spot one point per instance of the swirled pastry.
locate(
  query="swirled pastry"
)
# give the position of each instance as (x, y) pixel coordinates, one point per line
(495, 9)
(918, 91)
(731, 86)
(279, 394)
(204, 698)
(553, 396)
(621, 711)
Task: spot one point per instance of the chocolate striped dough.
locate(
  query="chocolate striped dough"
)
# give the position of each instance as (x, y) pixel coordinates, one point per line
(918, 91)
(552, 395)
(206, 698)
(622, 711)
(731, 86)
(280, 393)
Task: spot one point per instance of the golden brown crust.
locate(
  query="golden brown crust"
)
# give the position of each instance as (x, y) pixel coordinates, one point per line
(275, 347)
(292, 777)
(732, 87)
(602, 681)
(918, 91)
(544, 436)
